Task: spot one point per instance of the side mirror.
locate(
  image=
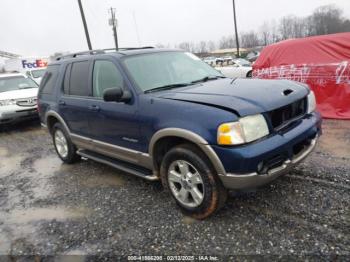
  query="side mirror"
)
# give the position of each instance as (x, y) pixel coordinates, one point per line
(116, 94)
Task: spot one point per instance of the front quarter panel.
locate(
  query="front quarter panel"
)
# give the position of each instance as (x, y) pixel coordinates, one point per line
(158, 113)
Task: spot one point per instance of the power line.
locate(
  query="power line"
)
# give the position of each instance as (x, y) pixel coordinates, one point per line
(85, 25)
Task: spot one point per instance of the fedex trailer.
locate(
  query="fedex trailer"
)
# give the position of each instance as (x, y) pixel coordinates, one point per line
(33, 67)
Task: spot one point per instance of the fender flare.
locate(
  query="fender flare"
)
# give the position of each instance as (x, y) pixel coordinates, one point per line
(194, 138)
(59, 118)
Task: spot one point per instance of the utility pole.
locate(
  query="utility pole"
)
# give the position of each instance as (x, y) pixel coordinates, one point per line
(85, 25)
(235, 21)
(113, 22)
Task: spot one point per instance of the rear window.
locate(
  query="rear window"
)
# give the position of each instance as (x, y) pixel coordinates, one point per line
(48, 83)
(79, 79)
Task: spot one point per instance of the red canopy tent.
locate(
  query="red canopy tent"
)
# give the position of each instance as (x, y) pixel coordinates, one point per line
(323, 62)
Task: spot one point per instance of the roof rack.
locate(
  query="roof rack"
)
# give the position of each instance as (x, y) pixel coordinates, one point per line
(100, 51)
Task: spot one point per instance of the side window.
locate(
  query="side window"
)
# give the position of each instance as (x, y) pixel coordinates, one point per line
(48, 82)
(66, 79)
(79, 79)
(106, 75)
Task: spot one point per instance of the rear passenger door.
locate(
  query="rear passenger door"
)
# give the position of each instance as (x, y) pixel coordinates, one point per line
(114, 124)
(74, 102)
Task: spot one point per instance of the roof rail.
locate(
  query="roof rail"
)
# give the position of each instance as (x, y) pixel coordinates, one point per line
(99, 51)
(134, 48)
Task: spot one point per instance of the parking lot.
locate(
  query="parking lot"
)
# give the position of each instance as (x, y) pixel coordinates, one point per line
(48, 208)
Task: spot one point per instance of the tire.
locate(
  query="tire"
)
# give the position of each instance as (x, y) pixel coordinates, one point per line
(250, 74)
(201, 178)
(64, 147)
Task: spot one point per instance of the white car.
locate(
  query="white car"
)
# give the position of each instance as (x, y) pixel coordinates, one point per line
(36, 74)
(210, 60)
(18, 98)
(240, 68)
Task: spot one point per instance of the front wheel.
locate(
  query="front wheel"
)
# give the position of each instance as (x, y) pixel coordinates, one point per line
(187, 174)
(64, 147)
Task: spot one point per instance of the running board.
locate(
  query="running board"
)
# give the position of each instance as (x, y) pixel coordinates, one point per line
(121, 165)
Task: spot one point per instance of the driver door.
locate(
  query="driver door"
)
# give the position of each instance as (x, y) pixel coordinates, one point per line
(113, 125)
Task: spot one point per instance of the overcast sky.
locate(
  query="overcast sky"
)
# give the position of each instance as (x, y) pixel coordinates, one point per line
(42, 27)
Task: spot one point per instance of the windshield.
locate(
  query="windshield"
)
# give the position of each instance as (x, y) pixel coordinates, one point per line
(38, 73)
(167, 68)
(16, 83)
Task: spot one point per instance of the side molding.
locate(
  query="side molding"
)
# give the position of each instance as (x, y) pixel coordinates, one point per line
(193, 137)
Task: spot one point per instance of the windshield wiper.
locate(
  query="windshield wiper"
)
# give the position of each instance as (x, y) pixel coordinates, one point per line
(27, 87)
(207, 78)
(166, 87)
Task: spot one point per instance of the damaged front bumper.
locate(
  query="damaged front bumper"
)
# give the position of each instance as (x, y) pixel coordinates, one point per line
(252, 180)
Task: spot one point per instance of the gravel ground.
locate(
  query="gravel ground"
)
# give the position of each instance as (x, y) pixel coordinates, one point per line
(49, 208)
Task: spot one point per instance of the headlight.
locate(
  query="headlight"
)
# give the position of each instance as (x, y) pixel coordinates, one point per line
(7, 102)
(247, 129)
(311, 102)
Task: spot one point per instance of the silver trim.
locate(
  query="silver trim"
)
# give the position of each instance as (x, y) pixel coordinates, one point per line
(193, 137)
(140, 158)
(125, 169)
(244, 181)
(114, 151)
(55, 114)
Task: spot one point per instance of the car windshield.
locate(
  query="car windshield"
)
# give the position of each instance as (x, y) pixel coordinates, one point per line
(38, 73)
(165, 69)
(16, 83)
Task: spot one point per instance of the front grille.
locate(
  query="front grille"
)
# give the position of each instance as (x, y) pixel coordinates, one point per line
(27, 101)
(282, 116)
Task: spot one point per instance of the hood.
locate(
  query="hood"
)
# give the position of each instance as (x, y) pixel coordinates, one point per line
(20, 93)
(242, 96)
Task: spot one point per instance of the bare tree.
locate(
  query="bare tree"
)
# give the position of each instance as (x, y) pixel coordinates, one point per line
(249, 39)
(185, 46)
(227, 42)
(328, 19)
(324, 20)
(202, 47)
(265, 32)
(211, 45)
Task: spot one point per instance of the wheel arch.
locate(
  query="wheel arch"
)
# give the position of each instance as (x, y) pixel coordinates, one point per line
(53, 117)
(249, 74)
(170, 137)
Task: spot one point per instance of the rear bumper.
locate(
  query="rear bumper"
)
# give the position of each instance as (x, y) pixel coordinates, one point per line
(252, 180)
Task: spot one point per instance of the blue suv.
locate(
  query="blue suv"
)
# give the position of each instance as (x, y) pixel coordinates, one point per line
(165, 115)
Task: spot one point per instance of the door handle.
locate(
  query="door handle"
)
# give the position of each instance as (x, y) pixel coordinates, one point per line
(94, 108)
(61, 103)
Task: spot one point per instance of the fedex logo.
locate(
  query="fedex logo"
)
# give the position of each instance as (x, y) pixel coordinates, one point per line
(36, 64)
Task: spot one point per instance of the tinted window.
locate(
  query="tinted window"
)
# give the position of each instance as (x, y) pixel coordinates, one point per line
(38, 73)
(106, 75)
(48, 82)
(66, 79)
(79, 79)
